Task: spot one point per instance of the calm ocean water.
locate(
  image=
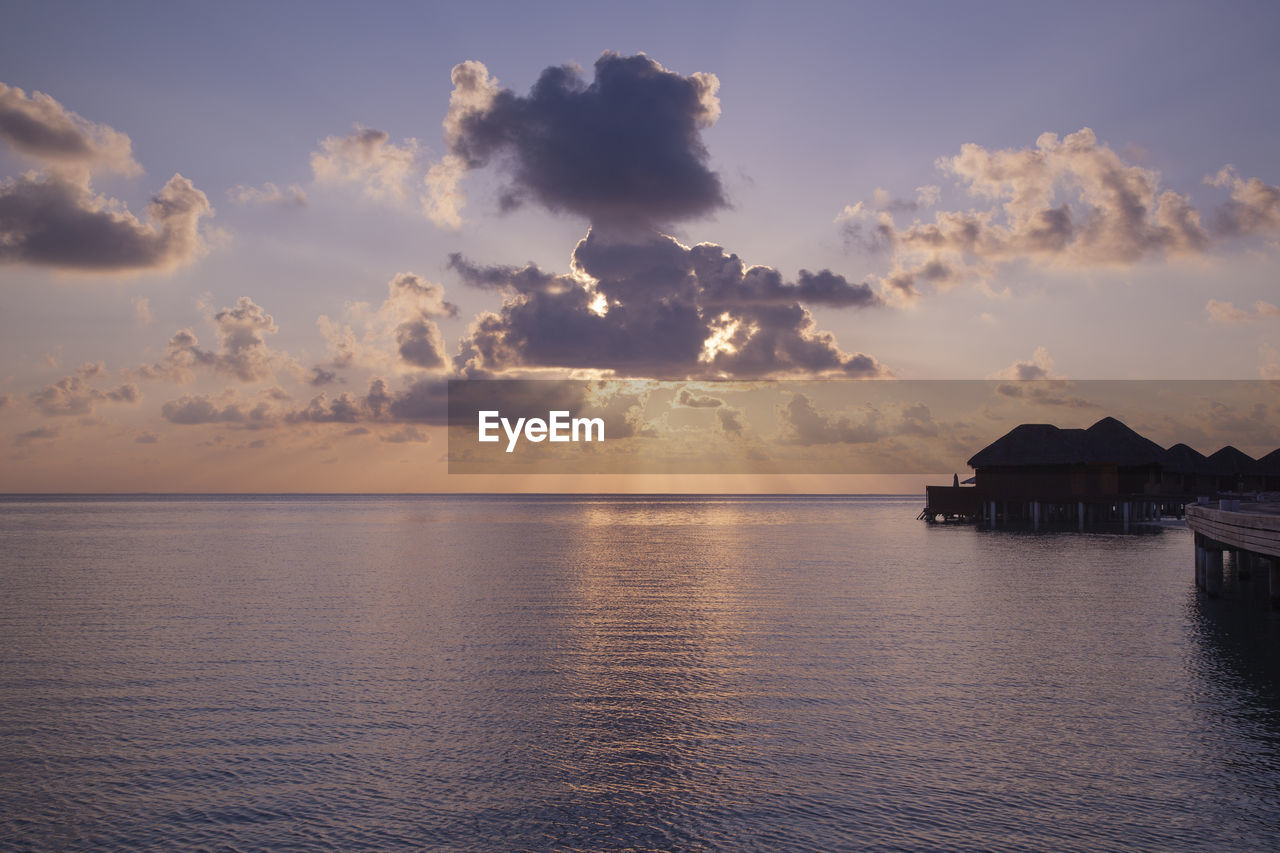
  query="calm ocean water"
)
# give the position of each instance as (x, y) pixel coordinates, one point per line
(619, 673)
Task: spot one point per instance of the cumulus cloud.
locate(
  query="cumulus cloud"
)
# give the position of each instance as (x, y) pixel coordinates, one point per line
(367, 158)
(1254, 207)
(659, 308)
(730, 420)
(54, 218)
(291, 196)
(423, 401)
(194, 409)
(625, 151)
(1040, 366)
(74, 395)
(47, 220)
(243, 351)
(1228, 313)
(39, 127)
(1068, 202)
(345, 408)
(625, 148)
(805, 424)
(405, 324)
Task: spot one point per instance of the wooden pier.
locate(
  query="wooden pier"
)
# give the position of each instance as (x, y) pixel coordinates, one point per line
(1250, 532)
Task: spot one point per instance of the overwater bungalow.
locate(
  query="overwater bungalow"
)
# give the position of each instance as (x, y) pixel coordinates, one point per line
(1040, 474)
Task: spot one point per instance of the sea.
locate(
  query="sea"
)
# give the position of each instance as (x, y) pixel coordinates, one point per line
(582, 673)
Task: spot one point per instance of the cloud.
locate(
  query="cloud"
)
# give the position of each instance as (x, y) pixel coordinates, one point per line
(805, 424)
(54, 218)
(50, 221)
(473, 92)
(1254, 207)
(344, 408)
(142, 310)
(1039, 367)
(405, 435)
(38, 434)
(401, 333)
(1227, 313)
(321, 376)
(367, 158)
(658, 308)
(423, 401)
(1066, 203)
(243, 351)
(1054, 392)
(625, 148)
(195, 409)
(625, 151)
(1269, 365)
(691, 400)
(73, 395)
(730, 420)
(269, 193)
(41, 128)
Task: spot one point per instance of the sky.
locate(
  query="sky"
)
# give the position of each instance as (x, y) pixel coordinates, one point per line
(244, 246)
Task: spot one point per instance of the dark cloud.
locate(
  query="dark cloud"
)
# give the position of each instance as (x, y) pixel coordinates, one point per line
(726, 280)
(697, 401)
(424, 401)
(419, 344)
(658, 308)
(730, 419)
(43, 129)
(50, 221)
(625, 148)
(526, 279)
(321, 376)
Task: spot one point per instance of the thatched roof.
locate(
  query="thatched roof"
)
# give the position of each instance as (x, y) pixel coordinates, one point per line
(1107, 442)
(1183, 459)
(1229, 460)
(1270, 464)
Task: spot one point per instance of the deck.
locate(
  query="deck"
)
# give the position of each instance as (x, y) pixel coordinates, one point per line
(1253, 527)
